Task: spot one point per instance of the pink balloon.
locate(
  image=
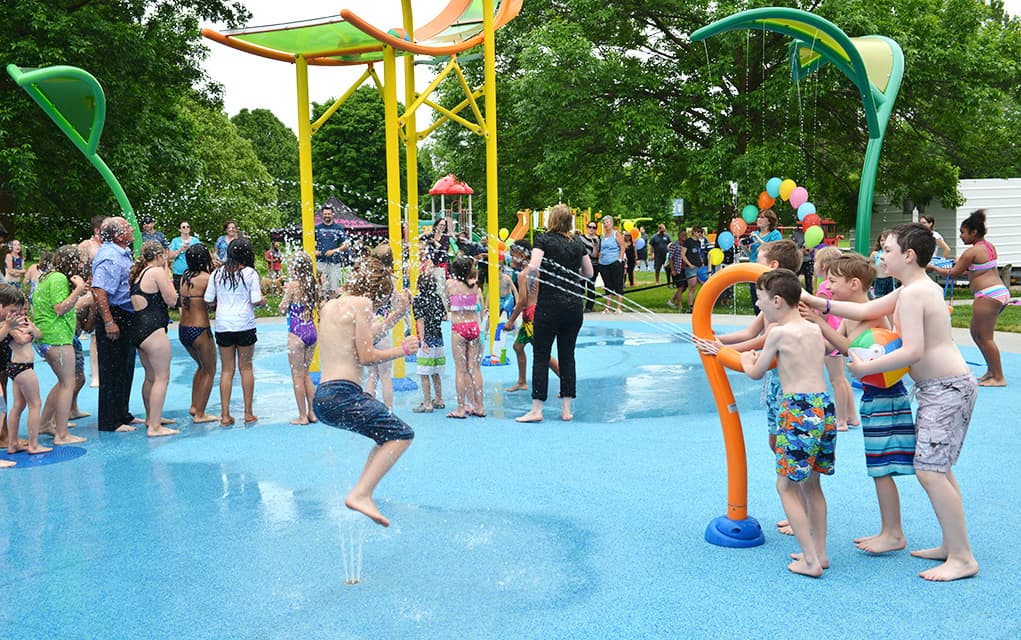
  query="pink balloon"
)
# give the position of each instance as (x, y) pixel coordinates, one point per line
(798, 197)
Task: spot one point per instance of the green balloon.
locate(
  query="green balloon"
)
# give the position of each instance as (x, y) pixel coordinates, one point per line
(750, 213)
(813, 236)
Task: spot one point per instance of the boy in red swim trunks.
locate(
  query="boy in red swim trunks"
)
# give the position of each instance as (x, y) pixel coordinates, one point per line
(347, 335)
(806, 440)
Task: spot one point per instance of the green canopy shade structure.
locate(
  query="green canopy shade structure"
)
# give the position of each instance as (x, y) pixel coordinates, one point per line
(875, 64)
(74, 100)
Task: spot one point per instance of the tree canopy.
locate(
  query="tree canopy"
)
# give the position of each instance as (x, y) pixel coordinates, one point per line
(615, 105)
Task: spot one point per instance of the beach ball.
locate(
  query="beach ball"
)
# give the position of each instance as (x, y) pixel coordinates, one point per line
(716, 257)
(799, 196)
(749, 213)
(873, 343)
(805, 209)
(504, 233)
(773, 187)
(813, 236)
(811, 220)
(766, 201)
(786, 187)
(725, 241)
(738, 226)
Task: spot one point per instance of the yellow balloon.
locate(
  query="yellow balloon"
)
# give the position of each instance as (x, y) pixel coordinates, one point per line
(504, 233)
(628, 225)
(786, 187)
(716, 257)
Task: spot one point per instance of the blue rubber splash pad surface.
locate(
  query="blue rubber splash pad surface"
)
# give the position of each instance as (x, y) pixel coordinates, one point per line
(588, 529)
(25, 460)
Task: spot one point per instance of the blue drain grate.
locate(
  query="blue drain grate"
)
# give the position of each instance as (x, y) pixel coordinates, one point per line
(59, 454)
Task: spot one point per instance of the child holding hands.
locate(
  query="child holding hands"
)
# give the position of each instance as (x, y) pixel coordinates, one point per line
(945, 387)
(21, 371)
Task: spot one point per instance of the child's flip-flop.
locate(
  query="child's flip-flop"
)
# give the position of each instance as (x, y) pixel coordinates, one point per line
(422, 409)
(455, 416)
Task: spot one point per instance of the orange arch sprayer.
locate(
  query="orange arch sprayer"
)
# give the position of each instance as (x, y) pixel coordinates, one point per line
(736, 528)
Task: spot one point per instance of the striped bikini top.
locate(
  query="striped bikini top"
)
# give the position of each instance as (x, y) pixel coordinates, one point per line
(464, 302)
(987, 265)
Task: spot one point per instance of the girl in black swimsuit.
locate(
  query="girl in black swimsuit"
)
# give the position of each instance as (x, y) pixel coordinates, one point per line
(149, 331)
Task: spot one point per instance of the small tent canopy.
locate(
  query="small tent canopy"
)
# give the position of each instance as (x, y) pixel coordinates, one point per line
(342, 215)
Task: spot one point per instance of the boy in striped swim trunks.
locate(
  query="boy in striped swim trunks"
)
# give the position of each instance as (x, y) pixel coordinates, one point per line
(945, 387)
(886, 420)
(806, 440)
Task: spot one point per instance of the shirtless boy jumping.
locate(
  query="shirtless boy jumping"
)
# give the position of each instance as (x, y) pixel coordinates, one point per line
(347, 335)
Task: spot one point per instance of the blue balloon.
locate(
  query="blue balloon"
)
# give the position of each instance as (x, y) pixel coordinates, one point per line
(773, 187)
(805, 209)
(725, 241)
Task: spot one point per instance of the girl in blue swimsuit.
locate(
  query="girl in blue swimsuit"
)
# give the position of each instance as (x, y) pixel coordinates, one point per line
(301, 301)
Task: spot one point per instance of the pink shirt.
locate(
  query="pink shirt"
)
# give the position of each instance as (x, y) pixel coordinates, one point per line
(832, 319)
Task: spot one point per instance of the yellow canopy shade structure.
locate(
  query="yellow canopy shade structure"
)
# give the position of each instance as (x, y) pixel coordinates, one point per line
(346, 40)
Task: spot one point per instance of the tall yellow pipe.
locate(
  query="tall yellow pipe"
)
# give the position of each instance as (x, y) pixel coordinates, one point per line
(411, 155)
(308, 235)
(393, 181)
(492, 210)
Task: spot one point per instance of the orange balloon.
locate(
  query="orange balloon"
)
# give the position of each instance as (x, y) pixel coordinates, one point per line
(738, 226)
(766, 201)
(635, 233)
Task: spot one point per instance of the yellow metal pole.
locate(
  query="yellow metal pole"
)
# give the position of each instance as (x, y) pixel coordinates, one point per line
(393, 182)
(308, 233)
(411, 152)
(492, 201)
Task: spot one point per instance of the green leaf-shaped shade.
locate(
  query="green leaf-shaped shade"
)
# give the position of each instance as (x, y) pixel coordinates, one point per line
(71, 97)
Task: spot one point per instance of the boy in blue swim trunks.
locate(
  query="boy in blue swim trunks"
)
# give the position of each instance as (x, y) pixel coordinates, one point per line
(806, 440)
(347, 335)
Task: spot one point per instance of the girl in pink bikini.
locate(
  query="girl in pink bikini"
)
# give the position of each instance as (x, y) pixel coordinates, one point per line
(465, 337)
(991, 295)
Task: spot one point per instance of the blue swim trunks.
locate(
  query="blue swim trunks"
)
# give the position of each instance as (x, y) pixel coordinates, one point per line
(807, 440)
(343, 404)
(772, 393)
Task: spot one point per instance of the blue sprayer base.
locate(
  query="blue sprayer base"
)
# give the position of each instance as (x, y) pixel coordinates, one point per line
(724, 532)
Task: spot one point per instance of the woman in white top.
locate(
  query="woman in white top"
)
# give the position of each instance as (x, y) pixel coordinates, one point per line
(234, 291)
(942, 248)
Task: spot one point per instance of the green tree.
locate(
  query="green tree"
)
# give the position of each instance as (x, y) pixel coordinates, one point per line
(614, 104)
(147, 55)
(277, 148)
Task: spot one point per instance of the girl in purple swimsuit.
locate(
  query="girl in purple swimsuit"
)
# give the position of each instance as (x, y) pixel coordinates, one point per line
(301, 300)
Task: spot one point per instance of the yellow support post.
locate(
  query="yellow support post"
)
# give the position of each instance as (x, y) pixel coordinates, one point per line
(411, 154)
(308, 233)
(492, 201)
(393, 182)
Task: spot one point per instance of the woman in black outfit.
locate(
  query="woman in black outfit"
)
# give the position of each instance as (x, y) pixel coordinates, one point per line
(559, 309)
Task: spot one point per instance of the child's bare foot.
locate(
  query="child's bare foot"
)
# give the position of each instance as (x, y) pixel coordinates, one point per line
(784, 527)
(935, 553)
(226, 421)
(78, 414)
(168, 420)
(47, 429)
(951, 570)
(70, 439)
(823, 561)
(205, 417)
(71, 425)
(124, 428)
(16, 449)
(160, 431)
(312, 417)
(39, 449)
(566, 416)
(841, 427)
(804, 568)
(880, 543)
(300, 420)
(250, 418)
(519, 386)
(531, 416)
(191, 411)
(366, 506)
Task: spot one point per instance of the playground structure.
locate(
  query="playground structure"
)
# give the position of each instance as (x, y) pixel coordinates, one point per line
(875, 64)
(75, 101)
(349, 40)
(450, 185)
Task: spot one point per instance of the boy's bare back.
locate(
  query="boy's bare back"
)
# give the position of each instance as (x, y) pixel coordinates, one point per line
(800, 354)
(921, 315)
(341, 321)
